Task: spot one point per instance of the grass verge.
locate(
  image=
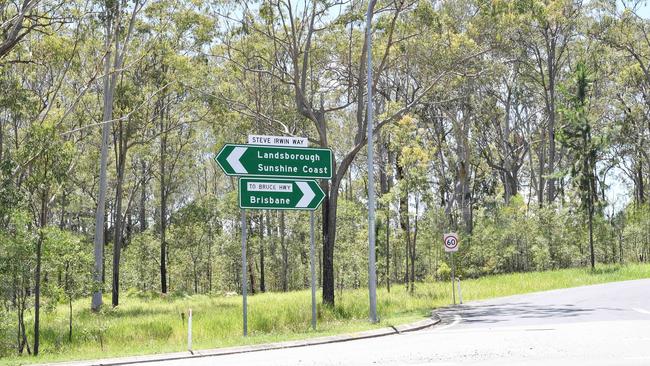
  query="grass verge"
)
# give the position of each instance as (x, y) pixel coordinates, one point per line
(147, 325)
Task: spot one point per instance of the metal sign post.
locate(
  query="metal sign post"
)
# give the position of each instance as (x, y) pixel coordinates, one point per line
(244, 281)
(450, 242)
(312, 251)
(453, 278)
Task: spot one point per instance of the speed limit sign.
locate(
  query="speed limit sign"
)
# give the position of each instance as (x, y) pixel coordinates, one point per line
(451, 242)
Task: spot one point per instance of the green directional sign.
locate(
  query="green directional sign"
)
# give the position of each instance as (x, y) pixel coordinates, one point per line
(275, 161)
(279, 194)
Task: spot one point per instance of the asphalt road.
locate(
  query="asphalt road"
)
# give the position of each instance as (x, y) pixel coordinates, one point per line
(595, 325)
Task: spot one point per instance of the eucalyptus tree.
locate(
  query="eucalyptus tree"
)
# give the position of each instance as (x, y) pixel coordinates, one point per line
(461, 116)
(20, 18)
(17, 269)
(546, 30)
(411, 169)
(43, 184)
(324, 73)
(626, 32)
(68, 256)
(42, 154)
(507, 104)
(175, 72)
(117, 36)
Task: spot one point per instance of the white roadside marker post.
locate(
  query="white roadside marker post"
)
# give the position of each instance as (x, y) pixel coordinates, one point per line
(460, 294)
(189, 332)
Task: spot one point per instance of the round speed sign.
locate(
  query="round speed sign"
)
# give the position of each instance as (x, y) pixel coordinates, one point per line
(451, 242)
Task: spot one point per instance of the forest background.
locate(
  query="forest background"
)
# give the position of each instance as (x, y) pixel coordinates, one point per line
(523, 125)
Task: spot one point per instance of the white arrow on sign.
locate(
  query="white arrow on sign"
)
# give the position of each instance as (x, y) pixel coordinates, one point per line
(308, 194)
(233, 160)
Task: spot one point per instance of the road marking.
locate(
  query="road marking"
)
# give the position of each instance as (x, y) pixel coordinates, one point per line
(642, 311)
(538, 329)
(457, 319)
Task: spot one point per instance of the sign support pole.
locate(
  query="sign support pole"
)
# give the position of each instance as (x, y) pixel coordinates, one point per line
(313, 271)
(244, 281)
(453, 277)
(372, 271)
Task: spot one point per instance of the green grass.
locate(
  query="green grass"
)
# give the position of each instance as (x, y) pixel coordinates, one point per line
(145, 325)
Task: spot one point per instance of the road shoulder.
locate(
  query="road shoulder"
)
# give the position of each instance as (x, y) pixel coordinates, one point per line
(411, 327)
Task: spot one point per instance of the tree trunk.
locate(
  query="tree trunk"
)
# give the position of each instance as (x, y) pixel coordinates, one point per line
(18, 331)
(142, 210)
(388, 248)
(404, 217)
(285, 254)
(269, 235)
(17, 27)
(37, 275)
(121, 146)
(350, 188)
(70, 319)
(590, 207)
(329, 209)
(195, 274)
(463, 195)
(639, 184)
(509, 176)
(2, 127)
(262, 241)
(540, 174)
(550, 196)
(103, 162)
(511, 182)
(209, 263)
(413, 243)
(110, 82)
(25, 342)
(591, 236)
(251, 273)
(163, 202)
(620, 246)
(384, 186)
(103, 256)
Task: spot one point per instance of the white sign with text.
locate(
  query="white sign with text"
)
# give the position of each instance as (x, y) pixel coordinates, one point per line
(277, 140)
